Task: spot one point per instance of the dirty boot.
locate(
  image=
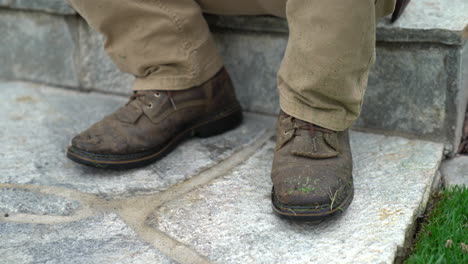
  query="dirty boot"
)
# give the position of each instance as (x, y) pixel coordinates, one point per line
(153, 122)
(312, 171)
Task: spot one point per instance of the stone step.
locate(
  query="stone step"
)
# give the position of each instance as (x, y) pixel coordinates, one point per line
(418, 85)
(207, 202)
(230, 220)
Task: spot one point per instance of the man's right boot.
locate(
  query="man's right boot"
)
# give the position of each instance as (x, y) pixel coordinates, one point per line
(153, 122)
(312, 171)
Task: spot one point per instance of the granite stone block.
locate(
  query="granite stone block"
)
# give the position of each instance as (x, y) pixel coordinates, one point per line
(39, 122)
(38, 47)
(413, 89)
(462, 93)
(253, 62)
(50, 6)
(438, 21)
(97, 71)
(455, 171)
(230, 220)
(262, 24)
(95, 240)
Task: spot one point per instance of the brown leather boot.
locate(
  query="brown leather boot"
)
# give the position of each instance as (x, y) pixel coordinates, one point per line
(312, 171)
(153, 122)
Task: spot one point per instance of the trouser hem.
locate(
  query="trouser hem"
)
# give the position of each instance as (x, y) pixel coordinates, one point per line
(314, 116)
(157, 82)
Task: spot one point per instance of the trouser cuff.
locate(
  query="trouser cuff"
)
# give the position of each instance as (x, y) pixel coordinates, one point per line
(329, 120)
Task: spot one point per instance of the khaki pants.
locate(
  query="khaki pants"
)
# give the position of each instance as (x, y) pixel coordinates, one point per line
(167, 45)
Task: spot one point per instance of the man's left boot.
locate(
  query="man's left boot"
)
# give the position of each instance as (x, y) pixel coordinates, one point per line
(312, 171)
(154, 122)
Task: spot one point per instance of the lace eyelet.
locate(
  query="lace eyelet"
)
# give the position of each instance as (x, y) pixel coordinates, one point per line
(150, 106)
(157, 95)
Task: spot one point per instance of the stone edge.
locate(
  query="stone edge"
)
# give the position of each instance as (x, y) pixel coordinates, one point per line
(64, 9)
(385, 33)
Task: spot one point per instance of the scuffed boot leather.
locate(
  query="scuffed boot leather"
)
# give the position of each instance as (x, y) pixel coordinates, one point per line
(153, 122)
(312, 171)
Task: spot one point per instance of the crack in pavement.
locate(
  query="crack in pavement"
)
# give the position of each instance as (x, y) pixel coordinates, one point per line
(135, 211)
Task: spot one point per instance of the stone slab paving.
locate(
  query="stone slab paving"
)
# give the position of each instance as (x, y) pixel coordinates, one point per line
(38, 123)
(455, 171)
(98, 239)
(230, 220)
(13, 200)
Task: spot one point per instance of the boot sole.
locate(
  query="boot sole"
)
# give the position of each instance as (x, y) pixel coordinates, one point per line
(310, 214)
(214, 126)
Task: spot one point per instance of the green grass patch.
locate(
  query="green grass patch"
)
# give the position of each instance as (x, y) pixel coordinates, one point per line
(443, 237)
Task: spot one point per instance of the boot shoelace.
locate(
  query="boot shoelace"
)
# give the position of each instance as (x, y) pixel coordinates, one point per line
(141, 96)
(308, 126)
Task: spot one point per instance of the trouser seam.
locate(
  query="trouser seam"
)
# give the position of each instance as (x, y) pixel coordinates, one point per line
(186, 45)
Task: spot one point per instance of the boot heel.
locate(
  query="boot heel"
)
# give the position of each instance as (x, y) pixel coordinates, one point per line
(219, 126)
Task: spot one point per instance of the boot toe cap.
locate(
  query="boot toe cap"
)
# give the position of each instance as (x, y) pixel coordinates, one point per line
(87, 142)
(312, 192)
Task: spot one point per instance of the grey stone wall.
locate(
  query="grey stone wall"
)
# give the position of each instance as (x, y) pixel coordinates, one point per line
(413, 88)
(253, 62)
(57, 50)
(38, 47)
(97, 71)
(52, 6)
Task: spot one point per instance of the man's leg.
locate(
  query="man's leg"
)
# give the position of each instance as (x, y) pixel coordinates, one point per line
(181, 89)
(167, 45)
(322, 81)
(331, 47)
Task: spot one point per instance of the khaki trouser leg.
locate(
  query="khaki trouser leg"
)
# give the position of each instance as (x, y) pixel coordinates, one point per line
(166, 44)
(331, 47)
